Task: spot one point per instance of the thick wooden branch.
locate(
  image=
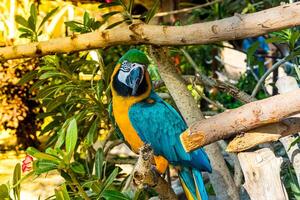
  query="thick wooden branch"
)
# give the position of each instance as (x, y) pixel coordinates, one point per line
(232, 28)
(145, 175)
(245, 118)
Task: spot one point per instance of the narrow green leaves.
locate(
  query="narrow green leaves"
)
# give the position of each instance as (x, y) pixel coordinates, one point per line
(43, 166)
(106, 5)
(16, 178)
(39, 155)
(21, 20)
(4, 192)
(112, 195)
(99, 163)
(61, 193)
(47, 17)
(92, 134)
(77, 168)
(110, 179)
(152, 11)
(71, 137)
(28, 77)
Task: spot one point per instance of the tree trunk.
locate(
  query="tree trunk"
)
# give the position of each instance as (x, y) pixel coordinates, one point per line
(220, 178)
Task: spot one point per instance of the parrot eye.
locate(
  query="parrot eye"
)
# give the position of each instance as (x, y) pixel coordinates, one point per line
(125, 67)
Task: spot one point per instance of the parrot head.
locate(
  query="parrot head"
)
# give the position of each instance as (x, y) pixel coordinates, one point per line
(130, 77)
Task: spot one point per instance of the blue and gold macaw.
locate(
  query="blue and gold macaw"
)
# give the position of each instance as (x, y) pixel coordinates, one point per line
(143, 117)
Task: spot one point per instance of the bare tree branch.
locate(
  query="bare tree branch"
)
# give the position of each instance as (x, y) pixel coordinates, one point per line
(225, 87)
(232, 28)
(243, 119)
(270, 70)
(145, 175)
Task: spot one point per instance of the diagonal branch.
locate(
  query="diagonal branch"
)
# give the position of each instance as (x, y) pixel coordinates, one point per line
(232, 28)
(245, 118)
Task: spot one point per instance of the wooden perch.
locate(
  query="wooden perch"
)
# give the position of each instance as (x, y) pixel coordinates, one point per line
(245, 118)
(145, 175)
(232, 28)
(268, 133)
(262, 168)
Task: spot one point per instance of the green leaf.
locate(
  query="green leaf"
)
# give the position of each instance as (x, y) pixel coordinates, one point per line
(16, 178)
(130, 6)
(251, 50)
(51, 151)
(96, 187)
(22, 21)
(63, 188)
(92, 134)
(77, 168)
(25, 30)
(71, 137)
(115, 24)
(26, 35)
(86, 18)
(59, 194)
(4, 192)
(275, 40)
(99, 163)
(297, 140)
(28, 77)
(106, 5)
(110, 180)
(61, 138)
(50, 126)
(96, 25)
(39, 155)
(108, 15)
(74, 26)
(55, 103)
(152, 11)
(122, 3)
(46, 91)
(49, 14)
(31, 23)
(113, 195)
(33, 14)
(43, 166)
(297, 72)
(51, 74)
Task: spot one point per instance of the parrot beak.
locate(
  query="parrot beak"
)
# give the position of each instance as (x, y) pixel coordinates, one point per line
(135, 78)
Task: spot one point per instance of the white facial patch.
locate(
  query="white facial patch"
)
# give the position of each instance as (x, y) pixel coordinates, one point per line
(124, 75)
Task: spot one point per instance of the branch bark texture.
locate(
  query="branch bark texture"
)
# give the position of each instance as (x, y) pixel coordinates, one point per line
(220, 178)
(145, 175)
(232, 28)
(261, 168)
(244, 118)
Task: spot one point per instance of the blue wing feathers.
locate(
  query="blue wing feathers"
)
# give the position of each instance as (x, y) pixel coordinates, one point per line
(160, 125)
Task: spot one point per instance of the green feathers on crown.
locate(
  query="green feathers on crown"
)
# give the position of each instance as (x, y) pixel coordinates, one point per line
(135, 56)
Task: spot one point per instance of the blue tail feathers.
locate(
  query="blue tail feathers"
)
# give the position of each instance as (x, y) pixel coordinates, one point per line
(193, 184)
